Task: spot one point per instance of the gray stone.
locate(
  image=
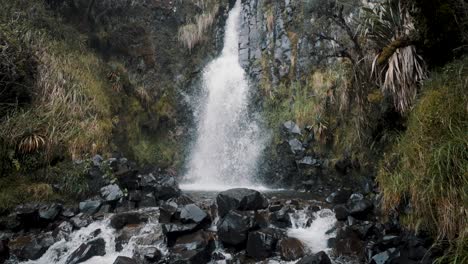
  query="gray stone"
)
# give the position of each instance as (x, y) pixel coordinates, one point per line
(90, 206)
(240, 199)
(111, 193)
(292, 127)
(192, 213)
(50, 212)
(296, 146)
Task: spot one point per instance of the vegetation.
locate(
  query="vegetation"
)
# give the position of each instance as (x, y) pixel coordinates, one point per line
(61, 101)
(427, 170)
(370, 95)
(194, 32)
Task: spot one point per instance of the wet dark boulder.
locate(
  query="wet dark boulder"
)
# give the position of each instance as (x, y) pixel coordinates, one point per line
(30, 247)
(282, 218)
(125, 234)
(319, 258)
(241, 199)
(4, 251)
(81, 220)
(233, 228)
(193, 248)
(348, 243)
(85, 251)
(261, 244)
(359, 208)
(63, 230)
(168, 212)
(341, 212)
(291, 249)
(163, 187)
(69, 212)
(147, 200)
(28, 215)
(167, 188)
(191, 213)
(124, 260)
(339, 197)
(118, 221)
(10, 222)
(148, 254)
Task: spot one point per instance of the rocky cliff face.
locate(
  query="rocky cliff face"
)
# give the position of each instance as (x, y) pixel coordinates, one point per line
(279, 49)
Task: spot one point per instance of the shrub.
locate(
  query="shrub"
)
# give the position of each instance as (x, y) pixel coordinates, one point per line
(427, 170)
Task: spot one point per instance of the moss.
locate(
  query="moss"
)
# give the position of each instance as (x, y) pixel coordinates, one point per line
(428, 167)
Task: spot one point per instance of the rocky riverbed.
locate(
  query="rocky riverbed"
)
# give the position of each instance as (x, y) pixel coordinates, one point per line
(144, 217)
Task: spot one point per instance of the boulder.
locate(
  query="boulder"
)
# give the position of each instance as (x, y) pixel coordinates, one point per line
(341, 212)
(193, 248)
(135, 196)
(291, 249)
(167, 212)
(125, 234)
(241, 199)
(148, 254)
(118, 221)
(167, 188)
(111, 193)
(309, 161)
(360, 208)
(81, 220)
(148, 200)
(282, 218)
(384, 257)
(48, 213)
(124, 260)
(261, 244)
(28, 215)
(90, 206)
(30, 247)
(233, 228)
(63, 230)
(296, 146)
(339, 197)
(319, 258)
(97, 160)
(191, 213)
(4, 251)
(292, 127)
(69, 212)
(85, 251)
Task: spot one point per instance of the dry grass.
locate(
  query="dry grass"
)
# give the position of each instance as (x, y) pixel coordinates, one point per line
(193, 33)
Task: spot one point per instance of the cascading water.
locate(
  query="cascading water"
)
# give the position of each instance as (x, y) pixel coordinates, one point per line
(229, 142)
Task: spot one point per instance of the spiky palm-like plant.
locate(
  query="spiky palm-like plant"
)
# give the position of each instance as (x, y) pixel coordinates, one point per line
(397, 67)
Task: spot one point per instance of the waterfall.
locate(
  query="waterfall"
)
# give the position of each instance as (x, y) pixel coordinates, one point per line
(228, 142)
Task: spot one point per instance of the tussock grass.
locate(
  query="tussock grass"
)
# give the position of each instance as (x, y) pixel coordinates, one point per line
(70, 108)
(428, 168)
(194, 32)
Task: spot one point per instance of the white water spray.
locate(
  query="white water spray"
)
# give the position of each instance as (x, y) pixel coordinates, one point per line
(229, 142)
(315, 236)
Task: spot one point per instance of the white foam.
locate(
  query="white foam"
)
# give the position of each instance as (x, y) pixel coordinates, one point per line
(316, 236)
(214, 187)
